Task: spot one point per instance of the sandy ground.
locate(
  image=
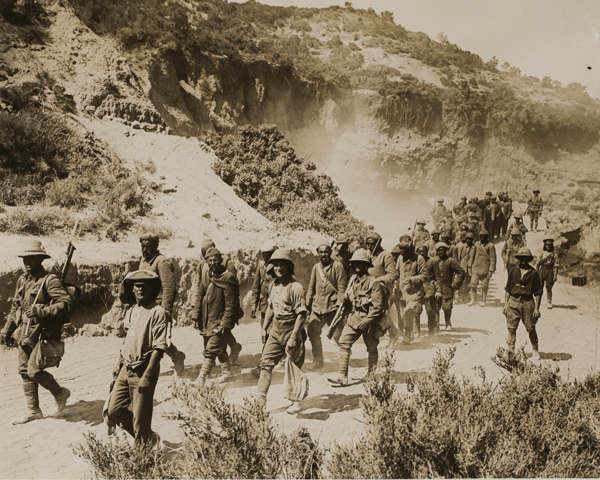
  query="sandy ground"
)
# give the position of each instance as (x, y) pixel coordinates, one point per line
(42, 449)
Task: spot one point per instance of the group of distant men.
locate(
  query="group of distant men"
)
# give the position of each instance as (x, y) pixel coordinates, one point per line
(351, 291)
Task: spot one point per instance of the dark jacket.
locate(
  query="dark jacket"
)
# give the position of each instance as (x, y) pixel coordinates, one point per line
(163, 267)
(202, 275)
(452, 276)
(220, 299)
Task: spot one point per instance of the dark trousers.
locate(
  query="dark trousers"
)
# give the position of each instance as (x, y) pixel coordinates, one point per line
(31, 371)
(129, 408)
(215, 346)
(432, 312)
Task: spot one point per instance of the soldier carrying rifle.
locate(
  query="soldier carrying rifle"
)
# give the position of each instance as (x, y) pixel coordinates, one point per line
(41, 306)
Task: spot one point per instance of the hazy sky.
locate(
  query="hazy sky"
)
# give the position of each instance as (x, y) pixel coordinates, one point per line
(556, 38)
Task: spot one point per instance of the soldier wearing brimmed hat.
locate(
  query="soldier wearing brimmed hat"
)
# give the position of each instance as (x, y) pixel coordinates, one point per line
(40, 298)
(519, 225)
(341, 253)
(219, 296)
(439, 211)
(287, 314)
(202, 275)
(511, 248)
(138, 369)
(535, 205)
(368, 304)
(326, 288)
(452, 276)
(481, 265)
(158, 263)
(420, 234)
(261, 282)
(522, 300)
(547, 266)
(411, 274)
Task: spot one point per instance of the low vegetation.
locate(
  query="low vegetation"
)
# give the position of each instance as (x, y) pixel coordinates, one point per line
(265, 171)
(532, 423)
(47, 162)
(222, 441)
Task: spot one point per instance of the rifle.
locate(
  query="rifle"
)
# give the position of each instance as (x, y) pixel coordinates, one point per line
(340, 312)
(32, 338)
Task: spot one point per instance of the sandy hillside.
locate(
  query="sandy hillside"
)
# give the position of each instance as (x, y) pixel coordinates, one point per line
(41, 449)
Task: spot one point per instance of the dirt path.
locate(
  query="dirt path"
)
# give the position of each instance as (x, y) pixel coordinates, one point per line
(41, 449)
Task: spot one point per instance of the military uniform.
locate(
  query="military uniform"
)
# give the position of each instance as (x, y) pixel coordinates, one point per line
(420, 236)
(510, 249)
(521, 228)
(431, 285)
(547, 267)
(536, 204)
(411, 270)
(521, 289)
(219, 296)
(325, 293)
(368, 304)
(462, 253)
(481, 265)
(51, 311)
(452, 276)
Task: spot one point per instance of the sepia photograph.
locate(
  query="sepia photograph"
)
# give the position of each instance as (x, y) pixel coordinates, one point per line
(299, 239)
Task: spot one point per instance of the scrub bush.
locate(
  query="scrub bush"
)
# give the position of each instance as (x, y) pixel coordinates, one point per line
(46, 160)
(263, 169)
(222, 441)
(531, 424)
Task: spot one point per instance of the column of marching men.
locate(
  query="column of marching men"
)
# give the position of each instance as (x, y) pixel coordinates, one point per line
(352, 289)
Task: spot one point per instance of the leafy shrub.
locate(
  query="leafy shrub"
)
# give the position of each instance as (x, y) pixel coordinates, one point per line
(38, 221)
(263, 169)
(121, 459)
(532, 424)
(44, 159)
(222, 441)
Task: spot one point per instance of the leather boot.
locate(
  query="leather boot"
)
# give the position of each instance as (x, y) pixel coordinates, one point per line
(33, 404)
(549, 300)
(207, 366)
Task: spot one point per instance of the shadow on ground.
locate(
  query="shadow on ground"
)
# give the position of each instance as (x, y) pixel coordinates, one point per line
(82, 411)
(321, 407)
(559, 357)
